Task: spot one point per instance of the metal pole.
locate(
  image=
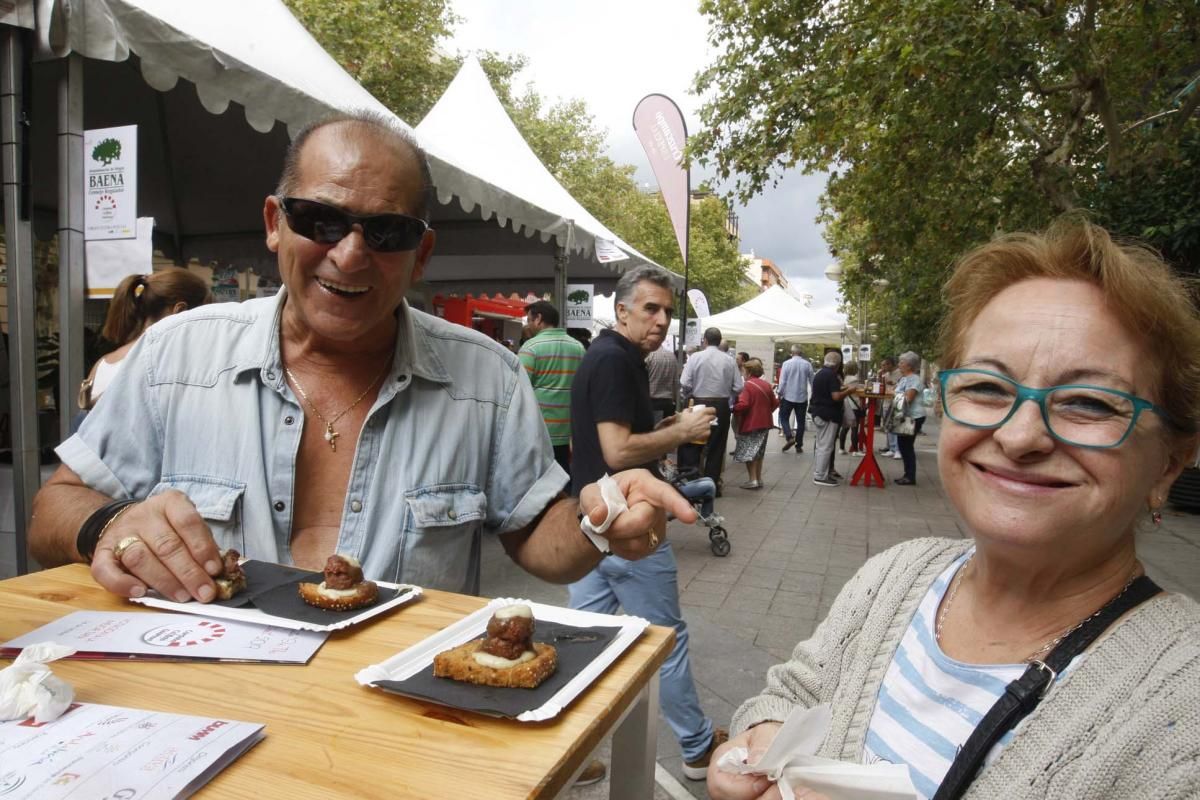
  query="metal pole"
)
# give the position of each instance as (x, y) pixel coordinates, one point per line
(561, 257)
(19, 254)
(70, 238)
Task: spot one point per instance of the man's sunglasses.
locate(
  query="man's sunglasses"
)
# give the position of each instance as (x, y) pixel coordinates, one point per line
(325, 224)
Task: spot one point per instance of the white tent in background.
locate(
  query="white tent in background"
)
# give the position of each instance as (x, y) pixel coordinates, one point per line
(479, 157)
(776, 315)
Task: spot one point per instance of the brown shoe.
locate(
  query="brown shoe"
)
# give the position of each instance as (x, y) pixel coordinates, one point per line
(594, 772)
(698, 769)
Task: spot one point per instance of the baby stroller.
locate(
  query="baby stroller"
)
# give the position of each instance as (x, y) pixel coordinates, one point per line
(701, 491)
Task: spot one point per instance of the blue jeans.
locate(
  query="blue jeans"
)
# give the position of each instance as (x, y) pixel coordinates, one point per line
(649, 588)
(786, 409)
(701, 489)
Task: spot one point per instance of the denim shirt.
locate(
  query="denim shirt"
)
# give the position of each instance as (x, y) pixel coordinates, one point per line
(454, 445)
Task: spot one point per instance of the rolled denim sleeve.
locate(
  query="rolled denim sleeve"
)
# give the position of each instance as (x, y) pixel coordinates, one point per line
(523, 477)
(118, 448)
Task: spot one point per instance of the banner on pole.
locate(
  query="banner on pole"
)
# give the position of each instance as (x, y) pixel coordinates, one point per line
(660, 128)
(847, 353)
(691, 337)
(579, 305)
(864, 352)
(699, 302)
(110, 183)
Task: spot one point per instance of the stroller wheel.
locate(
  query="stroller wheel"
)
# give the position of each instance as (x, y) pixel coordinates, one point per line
(717, 532)
(720, 546)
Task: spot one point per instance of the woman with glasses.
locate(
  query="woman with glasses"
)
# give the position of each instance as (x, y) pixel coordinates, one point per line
(909, 387)
(1035, 659)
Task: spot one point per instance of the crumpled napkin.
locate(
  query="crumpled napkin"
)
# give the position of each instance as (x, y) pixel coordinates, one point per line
(789, 761)
(28, 687)
(614, 501)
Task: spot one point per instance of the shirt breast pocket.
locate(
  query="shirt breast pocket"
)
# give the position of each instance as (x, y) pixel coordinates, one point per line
(441, 536)
(217, 500)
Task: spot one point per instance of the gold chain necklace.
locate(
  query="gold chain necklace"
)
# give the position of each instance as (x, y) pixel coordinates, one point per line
(332, 435)
(1048, 646)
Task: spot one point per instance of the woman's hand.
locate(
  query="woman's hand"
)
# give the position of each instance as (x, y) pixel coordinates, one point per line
(731, 786)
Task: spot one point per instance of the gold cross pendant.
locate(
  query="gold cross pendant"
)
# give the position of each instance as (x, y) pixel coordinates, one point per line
(331, 436)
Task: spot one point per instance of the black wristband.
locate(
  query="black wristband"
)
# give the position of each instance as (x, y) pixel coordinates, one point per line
(89, 533)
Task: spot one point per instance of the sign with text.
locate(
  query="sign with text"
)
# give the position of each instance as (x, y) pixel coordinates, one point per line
(110, 183)
(660, 128)
(692, 336)
(864, 352)
(579, 305)
(847, 353)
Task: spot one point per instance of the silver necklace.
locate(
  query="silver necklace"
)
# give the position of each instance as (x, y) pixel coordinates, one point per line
(332, 435)
(1049, 645)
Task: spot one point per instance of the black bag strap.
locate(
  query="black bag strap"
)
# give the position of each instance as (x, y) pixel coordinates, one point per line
(1022, 695)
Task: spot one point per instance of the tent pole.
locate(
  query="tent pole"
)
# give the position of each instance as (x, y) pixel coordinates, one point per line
(18, 235)
(70, 238)
(561, 256)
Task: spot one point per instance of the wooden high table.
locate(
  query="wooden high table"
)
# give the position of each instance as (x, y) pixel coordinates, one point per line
(326, 736)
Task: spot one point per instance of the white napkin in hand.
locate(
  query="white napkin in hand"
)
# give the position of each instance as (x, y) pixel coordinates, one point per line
(790, 761)
(28, 687)
(614, 502)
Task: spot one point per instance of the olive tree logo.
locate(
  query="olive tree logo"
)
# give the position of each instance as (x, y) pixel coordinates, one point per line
(107, 151)
(579, 296)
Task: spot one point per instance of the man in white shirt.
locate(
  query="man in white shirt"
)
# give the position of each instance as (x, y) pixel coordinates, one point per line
(710, 377)
(794, 377)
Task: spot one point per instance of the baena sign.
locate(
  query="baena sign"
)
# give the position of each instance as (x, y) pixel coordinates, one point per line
(110, 183)
(579, 305)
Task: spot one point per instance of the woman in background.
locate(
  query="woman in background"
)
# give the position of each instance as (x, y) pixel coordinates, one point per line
(911, 388)
(754, 409)
(139, 302)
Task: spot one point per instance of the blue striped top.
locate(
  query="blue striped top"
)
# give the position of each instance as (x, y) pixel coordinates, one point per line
(930, 703)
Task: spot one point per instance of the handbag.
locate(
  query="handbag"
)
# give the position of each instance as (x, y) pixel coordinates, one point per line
(897, 421)
(1022, 695)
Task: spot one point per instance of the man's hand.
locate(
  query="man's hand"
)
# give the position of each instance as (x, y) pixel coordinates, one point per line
(730, 785)
(696, 425)
(649, 502)
(175, 553)
(666, 422)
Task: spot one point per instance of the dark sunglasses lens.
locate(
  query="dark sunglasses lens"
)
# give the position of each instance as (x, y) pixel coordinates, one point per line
(320, 223)
(390, 233)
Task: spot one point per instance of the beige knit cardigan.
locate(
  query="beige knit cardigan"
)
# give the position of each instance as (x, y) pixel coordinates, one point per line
(1125, 723)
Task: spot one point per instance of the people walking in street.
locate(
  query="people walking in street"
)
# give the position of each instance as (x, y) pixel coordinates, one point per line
(826, 406)
(710, 377)
(550, 358)
(753, 414)
(794, 378)
(1034, 659)
(663, 369)
(909, 387)
(613, 428)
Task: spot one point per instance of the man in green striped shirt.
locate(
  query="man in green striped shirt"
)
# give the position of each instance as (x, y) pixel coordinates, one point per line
(550, 358)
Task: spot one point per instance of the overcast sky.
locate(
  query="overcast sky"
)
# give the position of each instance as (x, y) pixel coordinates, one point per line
(613, 53)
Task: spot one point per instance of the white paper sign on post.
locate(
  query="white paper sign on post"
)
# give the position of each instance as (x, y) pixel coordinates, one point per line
(864, 352)
(110, 183)
(579, 305)
(847, 353)
(691, 337)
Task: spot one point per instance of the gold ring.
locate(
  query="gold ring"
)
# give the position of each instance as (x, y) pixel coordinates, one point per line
(123, 545)
(653, 539)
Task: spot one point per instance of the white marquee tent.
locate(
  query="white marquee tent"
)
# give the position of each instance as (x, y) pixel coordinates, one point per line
(775, 314)
(480, 159)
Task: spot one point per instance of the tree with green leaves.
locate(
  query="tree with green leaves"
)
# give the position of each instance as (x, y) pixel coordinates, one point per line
(943, 123)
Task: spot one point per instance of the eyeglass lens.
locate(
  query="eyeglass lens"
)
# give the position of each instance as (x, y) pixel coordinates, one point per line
(385, 233)
(1090, 416)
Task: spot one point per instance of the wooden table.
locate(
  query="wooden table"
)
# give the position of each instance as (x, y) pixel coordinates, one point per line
(868, 471)
(329, 737)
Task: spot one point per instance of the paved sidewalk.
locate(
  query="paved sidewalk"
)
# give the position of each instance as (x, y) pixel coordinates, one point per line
(794, 545)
